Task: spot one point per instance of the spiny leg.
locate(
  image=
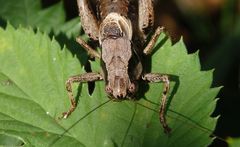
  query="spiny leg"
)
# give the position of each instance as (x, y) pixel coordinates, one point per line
(149, 48)
(86, 77)
(89, 49)
(156, 77)
(145, 17)
(89, 21)
(90, 26)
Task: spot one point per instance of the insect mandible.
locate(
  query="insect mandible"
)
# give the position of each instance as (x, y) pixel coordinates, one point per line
(121, 61)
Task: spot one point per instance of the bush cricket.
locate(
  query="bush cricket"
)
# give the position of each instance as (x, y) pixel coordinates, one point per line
(121, 61)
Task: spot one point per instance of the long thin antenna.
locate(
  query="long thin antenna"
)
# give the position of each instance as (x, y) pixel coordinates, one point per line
(74, 124)
(129, 126)
(193, 124)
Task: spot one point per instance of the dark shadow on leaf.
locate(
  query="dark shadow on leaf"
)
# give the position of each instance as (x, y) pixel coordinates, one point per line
(79, 91)
(76, 50)
(160, 44)
(147, 60)
(175, 79)
(143, 88)
(147, 64)
(72, 46)
(3, 23)
(91, 85)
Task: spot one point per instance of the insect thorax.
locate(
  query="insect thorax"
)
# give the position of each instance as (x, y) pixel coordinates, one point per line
(115, 39)
(113, 26)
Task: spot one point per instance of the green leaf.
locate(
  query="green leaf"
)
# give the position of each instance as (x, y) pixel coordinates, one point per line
(233, 142)
(33, 96)
(10, 140)
(66, 36)
(71, 28)
(28, 13)
(193, 100)
(32, 76)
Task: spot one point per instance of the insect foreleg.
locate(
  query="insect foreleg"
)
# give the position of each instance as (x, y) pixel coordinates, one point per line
(149, 48)
(89, 49)
(145, 15)
(157, 77)
(89, 21)
(86, 77)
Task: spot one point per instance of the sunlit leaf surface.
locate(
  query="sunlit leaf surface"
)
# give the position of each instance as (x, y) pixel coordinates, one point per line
(33, 72)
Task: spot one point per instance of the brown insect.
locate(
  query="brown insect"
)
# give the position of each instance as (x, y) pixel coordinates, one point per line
(122, 49)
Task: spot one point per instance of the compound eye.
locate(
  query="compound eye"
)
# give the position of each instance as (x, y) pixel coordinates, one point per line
(109, 90)
(132, 88)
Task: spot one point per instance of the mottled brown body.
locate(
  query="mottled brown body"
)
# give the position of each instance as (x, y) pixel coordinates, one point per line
(117, 6)
(121, 61)
(86, 13)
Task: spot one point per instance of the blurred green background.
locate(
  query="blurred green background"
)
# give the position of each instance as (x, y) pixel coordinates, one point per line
(213, 27)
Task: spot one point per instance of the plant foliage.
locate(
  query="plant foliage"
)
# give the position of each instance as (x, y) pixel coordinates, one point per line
(33, 72)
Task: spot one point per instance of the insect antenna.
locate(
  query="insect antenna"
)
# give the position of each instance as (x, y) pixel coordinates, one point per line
(190, 122)
(130, 124)
(74, 124)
